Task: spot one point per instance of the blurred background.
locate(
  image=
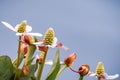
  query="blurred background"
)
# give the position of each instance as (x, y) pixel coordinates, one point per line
(91, 28)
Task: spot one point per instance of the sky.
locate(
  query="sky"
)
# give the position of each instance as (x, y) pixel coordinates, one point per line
(90, 28)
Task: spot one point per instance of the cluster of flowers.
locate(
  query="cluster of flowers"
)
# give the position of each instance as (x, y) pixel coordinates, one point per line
(28, 42)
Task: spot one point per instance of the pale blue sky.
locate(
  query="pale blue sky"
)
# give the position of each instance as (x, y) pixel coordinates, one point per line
(91, 28)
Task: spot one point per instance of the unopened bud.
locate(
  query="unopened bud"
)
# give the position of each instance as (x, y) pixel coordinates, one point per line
(26, 70)
(41, 56)
(84, 69)
(69, 60)
(22, 27)
(29, 39)
(49, 36)
(43, 48)
(24, 48)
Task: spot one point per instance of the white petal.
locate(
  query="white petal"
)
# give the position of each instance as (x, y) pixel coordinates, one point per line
(8, 26)
(28, 28)
(49, 62)
(62, 63)
(91, 74)
(16, 27)
(66, 48)
(34, 34)
(19, 34)
(38, 43)
(31, 34)
(112, 76)
(54, 43)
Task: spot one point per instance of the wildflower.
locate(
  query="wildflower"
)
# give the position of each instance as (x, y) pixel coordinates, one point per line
(21, 29)
(49, 41)
(100, 73)
(69, 60)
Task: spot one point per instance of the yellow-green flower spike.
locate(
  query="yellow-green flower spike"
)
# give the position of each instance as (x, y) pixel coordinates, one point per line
(100, 68)
(49, 36)
(22, 27)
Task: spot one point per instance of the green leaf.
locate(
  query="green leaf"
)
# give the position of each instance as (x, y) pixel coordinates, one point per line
(20, 60)
(55, 67)
(6, 68)
(29, 54)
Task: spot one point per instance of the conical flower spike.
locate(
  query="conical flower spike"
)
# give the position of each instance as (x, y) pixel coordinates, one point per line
(21, 28)
(100, 68)
(49, 36)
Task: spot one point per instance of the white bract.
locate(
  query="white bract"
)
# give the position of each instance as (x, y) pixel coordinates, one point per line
(108, 77)
(40, 43)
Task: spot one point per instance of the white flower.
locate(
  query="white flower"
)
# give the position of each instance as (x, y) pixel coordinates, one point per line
(54, 45)
(105, 76)
(100, 72)
(41, 43)
(15, 29)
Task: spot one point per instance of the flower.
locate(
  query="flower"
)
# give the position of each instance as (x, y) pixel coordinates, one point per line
(49, 39)
(21, 29)
(69, 60)
(100, 72)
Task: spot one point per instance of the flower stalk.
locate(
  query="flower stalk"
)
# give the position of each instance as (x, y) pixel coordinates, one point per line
(18, 60)
(61, 70)
(81, 78)
(99, 78)
(41, 66)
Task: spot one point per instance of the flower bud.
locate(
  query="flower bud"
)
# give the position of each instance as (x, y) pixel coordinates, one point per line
(84, 69)
(69, 60)
(29, 39)
(41, 57)
(43, 48)
(100, 68)
(22, 27)
(26, 70)
(49, 36)
(23, 48)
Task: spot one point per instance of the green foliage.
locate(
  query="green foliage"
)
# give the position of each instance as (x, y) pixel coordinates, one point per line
(6, 68)
(55, 67)
(30, 54)
(32, 70)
